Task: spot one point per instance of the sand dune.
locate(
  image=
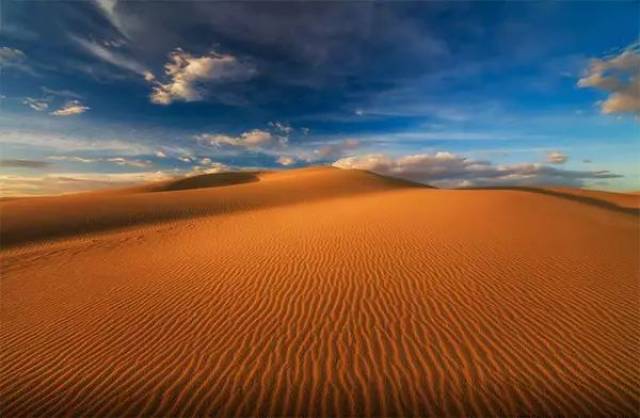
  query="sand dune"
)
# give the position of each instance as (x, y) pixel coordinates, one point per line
(38, 218)
(319, 293)
(622, 200)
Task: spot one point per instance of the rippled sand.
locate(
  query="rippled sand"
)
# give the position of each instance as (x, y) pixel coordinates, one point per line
(318, 292)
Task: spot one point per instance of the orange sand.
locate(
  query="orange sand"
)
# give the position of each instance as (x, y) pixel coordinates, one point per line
(318, 292)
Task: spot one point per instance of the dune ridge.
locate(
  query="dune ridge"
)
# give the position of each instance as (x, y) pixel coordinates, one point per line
(44, 218)
(356, 297)
(628, 203)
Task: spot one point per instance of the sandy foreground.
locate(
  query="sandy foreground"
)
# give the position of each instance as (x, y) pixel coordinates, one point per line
(320, 292)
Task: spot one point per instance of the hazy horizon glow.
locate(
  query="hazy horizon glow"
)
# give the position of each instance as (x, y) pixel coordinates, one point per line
(448, 93)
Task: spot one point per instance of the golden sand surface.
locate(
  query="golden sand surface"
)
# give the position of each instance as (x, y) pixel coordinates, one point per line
(318, 292)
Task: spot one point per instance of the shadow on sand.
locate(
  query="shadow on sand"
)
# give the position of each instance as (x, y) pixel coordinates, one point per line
(569, 196)
(209, 180)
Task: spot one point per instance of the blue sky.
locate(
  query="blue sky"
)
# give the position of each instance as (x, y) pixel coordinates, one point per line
(448, 93)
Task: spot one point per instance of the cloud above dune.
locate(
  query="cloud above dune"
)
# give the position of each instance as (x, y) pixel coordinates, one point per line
(275, 145)
(312, 153)
(619, 77)
(556, 157)
(253, 139)
(337, 149)
(72, 107)
(285, 160)
(206, 166)
(188, 74)
(445, 169)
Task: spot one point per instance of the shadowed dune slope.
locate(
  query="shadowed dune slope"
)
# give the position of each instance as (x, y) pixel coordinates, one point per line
(42, 218)
(355, 298)
(621, 202)
(204, 181)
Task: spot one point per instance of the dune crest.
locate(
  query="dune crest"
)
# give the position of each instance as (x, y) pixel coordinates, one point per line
(328, 293)
(621, 202)
(45, 218)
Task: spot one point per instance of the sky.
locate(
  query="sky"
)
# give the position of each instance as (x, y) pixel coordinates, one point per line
(453, 94)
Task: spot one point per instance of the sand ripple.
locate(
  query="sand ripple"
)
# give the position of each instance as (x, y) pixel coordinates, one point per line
(406, 302)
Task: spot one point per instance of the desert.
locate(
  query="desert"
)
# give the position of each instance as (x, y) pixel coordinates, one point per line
(319, 292)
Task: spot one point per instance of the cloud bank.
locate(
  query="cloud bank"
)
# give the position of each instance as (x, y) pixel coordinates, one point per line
(444, 169)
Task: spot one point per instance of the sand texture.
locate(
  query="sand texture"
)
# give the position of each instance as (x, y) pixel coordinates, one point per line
(318, 292)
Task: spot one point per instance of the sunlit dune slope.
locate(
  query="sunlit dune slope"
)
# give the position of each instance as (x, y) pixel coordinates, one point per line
(25, 220)
(320, 293)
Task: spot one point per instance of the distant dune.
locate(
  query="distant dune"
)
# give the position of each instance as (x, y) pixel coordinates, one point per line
(38, 218)
(319, 292)
(621, 202)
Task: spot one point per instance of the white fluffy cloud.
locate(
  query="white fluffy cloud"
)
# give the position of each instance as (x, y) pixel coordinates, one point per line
(256, 138)
(73, 107)
(556, 157)
(445, 169)
(619, 76)
(286, 160)
(207, 166)
(187, 74)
